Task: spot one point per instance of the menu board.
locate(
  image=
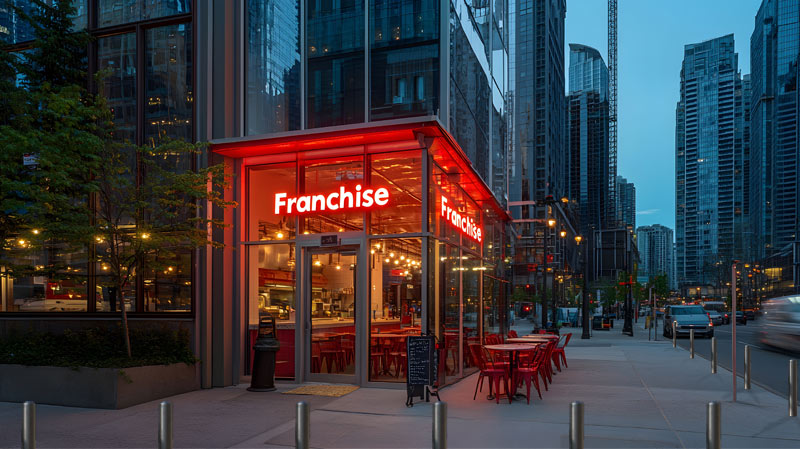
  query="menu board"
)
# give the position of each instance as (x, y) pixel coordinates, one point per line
(423, 363)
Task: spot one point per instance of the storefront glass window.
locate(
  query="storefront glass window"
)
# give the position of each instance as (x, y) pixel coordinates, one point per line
(271, 290)
(445, 279)
(471, 271)
(168, 85)
(273, 66)
(115, 12)
(401, 174)
(117, 54)
(105, 296)
(51, 280)
(335, 52)
(323, 177)
(168, 283)
(263, 183)
(395, 297)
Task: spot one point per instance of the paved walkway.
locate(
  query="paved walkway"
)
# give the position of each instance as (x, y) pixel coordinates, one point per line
(637, 394)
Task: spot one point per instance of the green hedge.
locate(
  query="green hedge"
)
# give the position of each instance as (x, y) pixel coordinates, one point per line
(97, 348)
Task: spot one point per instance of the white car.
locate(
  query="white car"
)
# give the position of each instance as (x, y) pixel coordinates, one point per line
(714, 316)
(782, 323)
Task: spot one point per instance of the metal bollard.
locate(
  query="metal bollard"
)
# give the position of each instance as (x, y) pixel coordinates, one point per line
(713, 355)
(746, 367)
(674, 334)
(792, 387)
(713, 425)
(29, 425)
(302, 431)
(440, 425)
(165, 426)
(576, 425)
(691, 343)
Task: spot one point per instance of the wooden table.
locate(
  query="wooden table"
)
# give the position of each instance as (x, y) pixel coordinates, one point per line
(514, 349)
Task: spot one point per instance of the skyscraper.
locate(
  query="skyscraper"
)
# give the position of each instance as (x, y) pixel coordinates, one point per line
(587, 131)
(626, 203)
(655, 251)
(537, 166)
(708, 153)
(774, 201)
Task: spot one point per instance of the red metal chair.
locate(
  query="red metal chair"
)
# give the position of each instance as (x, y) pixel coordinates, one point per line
(316, 360)
(558, 351)
(331, 354)
(398, 357)
(376, 357)
(529, 371)
(349, 348)
(512, 334)
(488, 369)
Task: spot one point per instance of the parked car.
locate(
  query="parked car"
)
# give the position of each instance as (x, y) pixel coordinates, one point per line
(719, 307)
(741, 317)
(714, 316)
(687, 318)
(782, 323)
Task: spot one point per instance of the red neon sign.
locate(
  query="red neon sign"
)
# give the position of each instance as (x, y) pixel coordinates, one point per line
(461, 222)
(340, 200)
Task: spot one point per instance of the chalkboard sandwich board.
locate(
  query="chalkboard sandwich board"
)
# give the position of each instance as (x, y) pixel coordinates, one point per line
(423, 364)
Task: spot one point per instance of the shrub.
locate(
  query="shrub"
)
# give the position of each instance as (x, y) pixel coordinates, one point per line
(97, 348)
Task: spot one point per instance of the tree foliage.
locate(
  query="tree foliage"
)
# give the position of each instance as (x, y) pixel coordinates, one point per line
(136, 207)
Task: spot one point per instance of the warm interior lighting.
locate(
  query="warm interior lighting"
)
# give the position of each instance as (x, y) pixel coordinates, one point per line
(387, 260)
(145, 236)
(36, 232)
(338, 267)
(280, 235)
(317, 263)
(551, 222)
(563, 233)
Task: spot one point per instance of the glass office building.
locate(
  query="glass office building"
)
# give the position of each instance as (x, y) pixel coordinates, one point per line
(587, 131)
(774, 200)
(368, 144)
(709, 151)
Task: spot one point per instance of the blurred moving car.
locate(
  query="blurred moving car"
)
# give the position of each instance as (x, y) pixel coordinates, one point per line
(714, 316)
(688, 318)
(782, 323)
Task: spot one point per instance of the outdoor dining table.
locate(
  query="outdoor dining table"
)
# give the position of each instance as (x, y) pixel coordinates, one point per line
(530, 339)
(514, 349)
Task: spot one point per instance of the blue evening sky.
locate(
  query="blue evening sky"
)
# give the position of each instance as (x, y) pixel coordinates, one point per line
(651, 35)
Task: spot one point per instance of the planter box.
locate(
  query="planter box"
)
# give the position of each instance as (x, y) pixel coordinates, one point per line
(111, 388)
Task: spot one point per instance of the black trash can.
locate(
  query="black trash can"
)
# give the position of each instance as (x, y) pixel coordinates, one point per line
(266, 349)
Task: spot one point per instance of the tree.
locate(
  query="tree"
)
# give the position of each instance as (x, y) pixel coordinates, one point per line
(149, 223)
(135, 206)
(48, 137)
(660, 285)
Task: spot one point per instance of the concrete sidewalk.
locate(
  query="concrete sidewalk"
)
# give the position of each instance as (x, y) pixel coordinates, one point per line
(637, 394)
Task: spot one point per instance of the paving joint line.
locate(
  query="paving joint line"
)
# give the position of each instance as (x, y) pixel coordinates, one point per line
(652, 396)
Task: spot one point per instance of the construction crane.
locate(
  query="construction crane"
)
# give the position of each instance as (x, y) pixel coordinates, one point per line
(612, 111)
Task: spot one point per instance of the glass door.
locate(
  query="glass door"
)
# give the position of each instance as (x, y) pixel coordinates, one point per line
(331, 304)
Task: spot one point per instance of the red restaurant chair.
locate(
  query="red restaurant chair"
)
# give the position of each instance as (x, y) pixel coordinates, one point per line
(558, 351)
(512, 334)
(529, 371)
(398, 357)
(487, 369)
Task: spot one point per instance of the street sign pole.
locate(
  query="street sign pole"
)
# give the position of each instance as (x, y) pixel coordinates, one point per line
(733, 326)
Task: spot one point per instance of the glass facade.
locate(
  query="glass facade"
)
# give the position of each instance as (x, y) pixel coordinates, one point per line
(461, 297)
(273, 66)
(150, 89)
(587, 131)
(707, 147)
(774, 122)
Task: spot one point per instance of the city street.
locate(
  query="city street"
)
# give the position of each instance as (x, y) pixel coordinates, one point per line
(770, 366)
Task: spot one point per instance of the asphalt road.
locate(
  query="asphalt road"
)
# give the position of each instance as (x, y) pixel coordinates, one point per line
(769, 367)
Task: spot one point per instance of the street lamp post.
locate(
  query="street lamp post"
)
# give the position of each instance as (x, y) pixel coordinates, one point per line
(584, 297)
(551, 222)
